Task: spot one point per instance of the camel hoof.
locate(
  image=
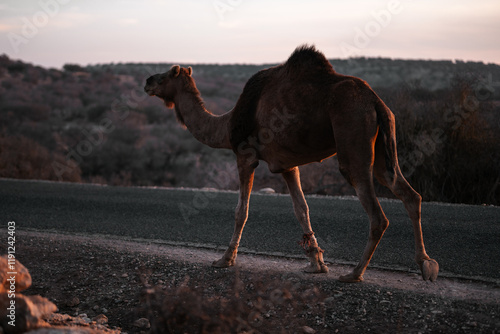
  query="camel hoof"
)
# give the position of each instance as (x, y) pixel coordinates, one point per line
(430, 270)
(223, 263)
(351, 278)
(316, 269)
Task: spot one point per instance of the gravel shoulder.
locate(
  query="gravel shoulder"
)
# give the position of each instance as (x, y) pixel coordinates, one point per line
(128, 280)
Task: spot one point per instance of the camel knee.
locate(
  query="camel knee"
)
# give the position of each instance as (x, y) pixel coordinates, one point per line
(416, 201)
(403, 190)
(409, 195)
(416, 198)
(413, 203)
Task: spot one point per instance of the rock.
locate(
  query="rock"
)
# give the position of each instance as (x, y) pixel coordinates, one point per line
(267, 191)
(63, 323)
(83, 318)
(19, 313)
(142, 323)
(58, 319)
(101, 319)
(21, 279)
(329, 300)
(308, 330)
(73, 302)
(27, 312)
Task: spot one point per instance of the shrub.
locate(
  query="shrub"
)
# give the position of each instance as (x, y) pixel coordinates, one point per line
(251, 305)
(23, 158)
(446, 148)
(73, 68)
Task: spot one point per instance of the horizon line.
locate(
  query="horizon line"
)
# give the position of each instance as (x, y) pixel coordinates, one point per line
(270, 63)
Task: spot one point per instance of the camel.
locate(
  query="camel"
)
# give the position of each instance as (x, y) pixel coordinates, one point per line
(299, 112)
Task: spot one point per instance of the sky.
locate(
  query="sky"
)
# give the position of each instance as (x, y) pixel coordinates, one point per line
(52, 33)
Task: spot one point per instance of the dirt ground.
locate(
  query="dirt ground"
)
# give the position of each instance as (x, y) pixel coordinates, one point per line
(177, 290)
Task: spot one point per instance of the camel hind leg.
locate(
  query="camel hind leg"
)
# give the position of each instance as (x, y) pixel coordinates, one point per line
(400, 187)
(356, 156)
(363, 184)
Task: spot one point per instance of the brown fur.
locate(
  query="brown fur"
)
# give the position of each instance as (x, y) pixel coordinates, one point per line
(293, 114)
(243, 122)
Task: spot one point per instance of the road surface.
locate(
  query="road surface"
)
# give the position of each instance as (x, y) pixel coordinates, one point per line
(464, 239)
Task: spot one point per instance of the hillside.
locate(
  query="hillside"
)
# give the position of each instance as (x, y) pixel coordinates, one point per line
(95, 124)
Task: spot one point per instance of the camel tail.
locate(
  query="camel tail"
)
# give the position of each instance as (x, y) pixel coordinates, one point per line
(387, 123)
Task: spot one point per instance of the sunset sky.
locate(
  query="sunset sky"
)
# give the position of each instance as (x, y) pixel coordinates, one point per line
(54, 32)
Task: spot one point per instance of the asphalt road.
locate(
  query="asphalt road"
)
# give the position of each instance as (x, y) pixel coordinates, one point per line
(464, 239)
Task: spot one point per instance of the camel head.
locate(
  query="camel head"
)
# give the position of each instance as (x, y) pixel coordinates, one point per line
(164, 85)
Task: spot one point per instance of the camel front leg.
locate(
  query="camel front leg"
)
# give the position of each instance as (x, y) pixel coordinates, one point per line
(301, 209)
(246, 174)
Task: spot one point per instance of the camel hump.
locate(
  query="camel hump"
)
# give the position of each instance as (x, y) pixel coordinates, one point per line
(306, 64)
(309, 62)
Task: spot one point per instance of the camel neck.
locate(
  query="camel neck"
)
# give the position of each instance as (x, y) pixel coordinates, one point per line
(207, 128)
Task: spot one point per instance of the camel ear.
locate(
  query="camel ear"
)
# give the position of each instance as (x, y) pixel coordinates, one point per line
(175, 70)
(190, 70)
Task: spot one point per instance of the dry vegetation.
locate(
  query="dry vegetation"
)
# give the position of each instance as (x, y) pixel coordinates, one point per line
(95, 124)
(177, 291)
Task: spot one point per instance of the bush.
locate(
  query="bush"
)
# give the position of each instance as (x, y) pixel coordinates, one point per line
(73, 68)
(446, 149)
(23, 158)
(447, 127)
(242, 308)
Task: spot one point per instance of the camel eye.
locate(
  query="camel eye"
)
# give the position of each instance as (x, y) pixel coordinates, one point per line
(160, 81)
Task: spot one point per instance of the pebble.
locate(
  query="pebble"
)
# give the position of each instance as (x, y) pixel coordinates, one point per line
(73, 302)
(329, 300)
(101, 319)
(142, 323)
(84, 318)
(308, 330)
(267, 191)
